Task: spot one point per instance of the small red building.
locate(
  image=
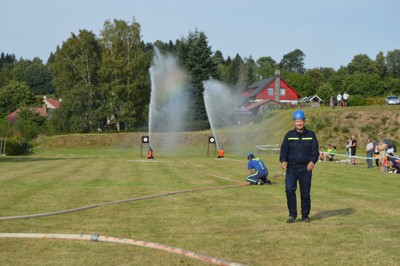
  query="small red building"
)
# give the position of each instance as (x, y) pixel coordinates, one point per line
(262, 93)
(44, 111)
(273, 88)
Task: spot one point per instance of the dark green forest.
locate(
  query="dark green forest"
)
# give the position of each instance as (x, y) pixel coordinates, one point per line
(104, 80)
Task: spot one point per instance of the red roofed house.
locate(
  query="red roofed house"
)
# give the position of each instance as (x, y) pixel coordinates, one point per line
(263, 93)
(51, 103)
(45, 110)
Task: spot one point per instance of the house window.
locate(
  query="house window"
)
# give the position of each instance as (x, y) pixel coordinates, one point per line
(270, 91)
(283, 92)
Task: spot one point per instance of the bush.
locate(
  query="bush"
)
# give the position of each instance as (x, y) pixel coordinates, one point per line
(375, 101)
(357, 100)
(16, 146)
(344, 129)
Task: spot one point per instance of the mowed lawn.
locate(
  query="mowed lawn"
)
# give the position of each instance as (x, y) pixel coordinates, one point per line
(355, 218)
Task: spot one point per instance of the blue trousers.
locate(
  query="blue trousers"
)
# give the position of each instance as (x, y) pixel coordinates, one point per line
(254, 177)
(304, 177)
(369, 160)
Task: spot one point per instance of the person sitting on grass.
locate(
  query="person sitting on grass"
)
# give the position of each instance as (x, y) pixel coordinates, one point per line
(385, 164)
(321, 155)
(330, 152)
(394, 164)
(327, 152)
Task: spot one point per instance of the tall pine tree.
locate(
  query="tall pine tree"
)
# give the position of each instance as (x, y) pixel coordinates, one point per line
(199, 62)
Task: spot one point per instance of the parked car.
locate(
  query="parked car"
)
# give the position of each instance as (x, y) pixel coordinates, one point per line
(392, 99)
(389, 144)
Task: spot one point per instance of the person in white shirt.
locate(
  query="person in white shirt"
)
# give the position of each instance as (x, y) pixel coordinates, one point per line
(345, 98)
(390, 150)
(339, 99)
(369, 148)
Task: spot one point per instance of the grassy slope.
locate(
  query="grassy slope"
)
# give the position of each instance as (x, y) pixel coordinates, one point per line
(331, 125)
(354, 216)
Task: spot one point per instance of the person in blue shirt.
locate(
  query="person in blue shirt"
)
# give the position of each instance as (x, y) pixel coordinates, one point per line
(298, 156)
(258, 171)
(394, 164)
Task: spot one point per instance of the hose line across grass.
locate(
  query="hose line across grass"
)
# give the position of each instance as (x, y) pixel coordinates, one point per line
(98, 238)
(114, 202)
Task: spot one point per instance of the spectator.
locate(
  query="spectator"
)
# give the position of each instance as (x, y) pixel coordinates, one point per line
(348, 145)
(328, 152)
(345, 98)
(389, 150)
(376, 152)
(394, 164)
(370, 150)
(353, 149)
(382, 153)
(321, 154)
(339, 99)
(385, 164)
(332, 153)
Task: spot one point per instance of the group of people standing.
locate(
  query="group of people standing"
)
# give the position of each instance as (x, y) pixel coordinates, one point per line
(341, 100)
(384, 157)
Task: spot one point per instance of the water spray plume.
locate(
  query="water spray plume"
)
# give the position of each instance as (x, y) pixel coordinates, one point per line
(168, 100)
(220, 104)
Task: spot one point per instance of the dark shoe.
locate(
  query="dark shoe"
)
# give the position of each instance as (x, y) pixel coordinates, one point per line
(291, 219)
(306, 219)
(260, 182)
(268, 182)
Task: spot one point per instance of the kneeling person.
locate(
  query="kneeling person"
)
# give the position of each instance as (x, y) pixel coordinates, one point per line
(258, 171)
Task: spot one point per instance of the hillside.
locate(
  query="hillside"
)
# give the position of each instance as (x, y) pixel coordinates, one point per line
(332, 126)
(337, 125)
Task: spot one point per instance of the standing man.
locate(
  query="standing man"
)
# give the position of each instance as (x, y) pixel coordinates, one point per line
(299, 153)
(370, 151)
(339, 99)
(258, 171)
(345, 98)
(353, 149)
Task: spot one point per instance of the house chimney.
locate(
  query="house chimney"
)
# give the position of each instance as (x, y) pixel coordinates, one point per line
(277, 85)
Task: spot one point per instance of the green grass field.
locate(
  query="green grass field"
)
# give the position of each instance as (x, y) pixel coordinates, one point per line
(354, 220)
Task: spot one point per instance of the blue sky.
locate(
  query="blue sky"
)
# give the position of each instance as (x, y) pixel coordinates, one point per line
(329, 32)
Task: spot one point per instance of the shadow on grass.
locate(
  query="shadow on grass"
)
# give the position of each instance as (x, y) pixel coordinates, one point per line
(327, 214)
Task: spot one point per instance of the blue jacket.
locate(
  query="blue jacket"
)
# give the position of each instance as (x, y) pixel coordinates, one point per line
(257, 165)
(299, 148)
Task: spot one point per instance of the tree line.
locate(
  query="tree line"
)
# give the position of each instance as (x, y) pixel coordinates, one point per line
(104, 80)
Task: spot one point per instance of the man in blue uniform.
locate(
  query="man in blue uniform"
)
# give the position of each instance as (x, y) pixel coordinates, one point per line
(299, 153)
(258, 171)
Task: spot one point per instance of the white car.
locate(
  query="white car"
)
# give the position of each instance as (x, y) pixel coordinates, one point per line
(392, 100)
